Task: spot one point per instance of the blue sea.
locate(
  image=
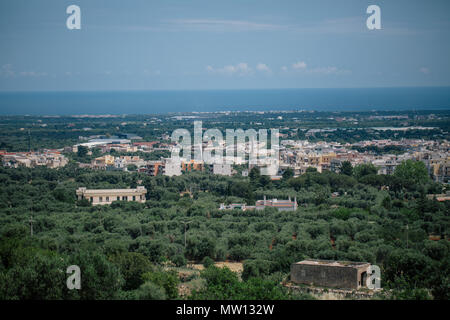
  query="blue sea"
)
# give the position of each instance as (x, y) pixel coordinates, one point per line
(157, 102)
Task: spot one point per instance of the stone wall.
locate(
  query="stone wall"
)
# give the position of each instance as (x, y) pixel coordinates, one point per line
(331, 294)
(325, 275)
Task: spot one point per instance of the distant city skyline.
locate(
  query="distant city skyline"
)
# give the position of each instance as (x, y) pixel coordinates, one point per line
(201, 45)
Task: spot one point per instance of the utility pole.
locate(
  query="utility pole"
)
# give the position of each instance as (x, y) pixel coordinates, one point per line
(185, 225)
(31, 225)
(407, 228)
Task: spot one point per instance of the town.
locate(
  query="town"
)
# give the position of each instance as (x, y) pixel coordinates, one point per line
(328, 200)
(295, 155)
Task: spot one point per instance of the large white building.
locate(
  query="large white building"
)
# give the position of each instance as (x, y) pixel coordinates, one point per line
(108, 196)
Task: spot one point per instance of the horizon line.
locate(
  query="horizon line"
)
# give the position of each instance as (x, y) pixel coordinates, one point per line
(230, 89)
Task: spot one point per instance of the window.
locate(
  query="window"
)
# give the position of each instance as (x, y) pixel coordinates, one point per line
(118, 198)
(134, 198)
(107, 199)
(100, 199)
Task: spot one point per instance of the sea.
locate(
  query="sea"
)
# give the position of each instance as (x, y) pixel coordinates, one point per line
(183, 101)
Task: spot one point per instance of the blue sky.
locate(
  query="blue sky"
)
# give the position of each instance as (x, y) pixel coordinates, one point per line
(228, 44)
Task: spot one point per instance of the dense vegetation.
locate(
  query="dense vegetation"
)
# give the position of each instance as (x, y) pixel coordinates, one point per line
(130, 250)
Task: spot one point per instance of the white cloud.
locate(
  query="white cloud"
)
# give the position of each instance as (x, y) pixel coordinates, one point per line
(328, 71)
(347, 25)
(262, 67)
(299, 65)
(424, 70)
(7, 70)
(241, 69)
(147, 72)
(324, 70)
(224, 25)
(302, 67)
(32, 74)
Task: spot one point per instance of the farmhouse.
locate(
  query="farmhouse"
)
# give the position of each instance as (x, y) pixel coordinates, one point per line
(333, 274)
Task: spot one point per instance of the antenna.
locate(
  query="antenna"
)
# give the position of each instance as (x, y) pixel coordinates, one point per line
(407, 228)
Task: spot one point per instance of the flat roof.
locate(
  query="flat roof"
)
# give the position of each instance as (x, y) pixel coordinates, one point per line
(110, 191)
(333, 263)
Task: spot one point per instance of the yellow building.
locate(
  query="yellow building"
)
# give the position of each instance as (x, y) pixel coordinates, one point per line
(106, 160)
(326, 158)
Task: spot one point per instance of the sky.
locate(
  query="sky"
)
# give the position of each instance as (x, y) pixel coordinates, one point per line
(228, 44)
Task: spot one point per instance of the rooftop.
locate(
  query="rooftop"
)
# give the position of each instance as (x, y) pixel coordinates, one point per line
(333, 263)
(111, 191)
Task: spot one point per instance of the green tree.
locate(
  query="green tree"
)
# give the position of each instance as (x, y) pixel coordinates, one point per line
(207, 261)
(288, 173)
(223, 284)
(100, 279)
(132, 265)
(131, 167)
(42, 277)
(254, 175)
(364, 169)
(168, 280)
(311, 170)
(150, 291)
(82, 151)
(346, 168)
(412, 170)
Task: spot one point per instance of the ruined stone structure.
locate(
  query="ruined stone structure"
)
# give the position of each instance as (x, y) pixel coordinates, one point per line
(333, 274)
(107, 196)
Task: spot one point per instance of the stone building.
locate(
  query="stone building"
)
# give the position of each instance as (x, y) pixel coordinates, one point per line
(107, 196)
(333, 274)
